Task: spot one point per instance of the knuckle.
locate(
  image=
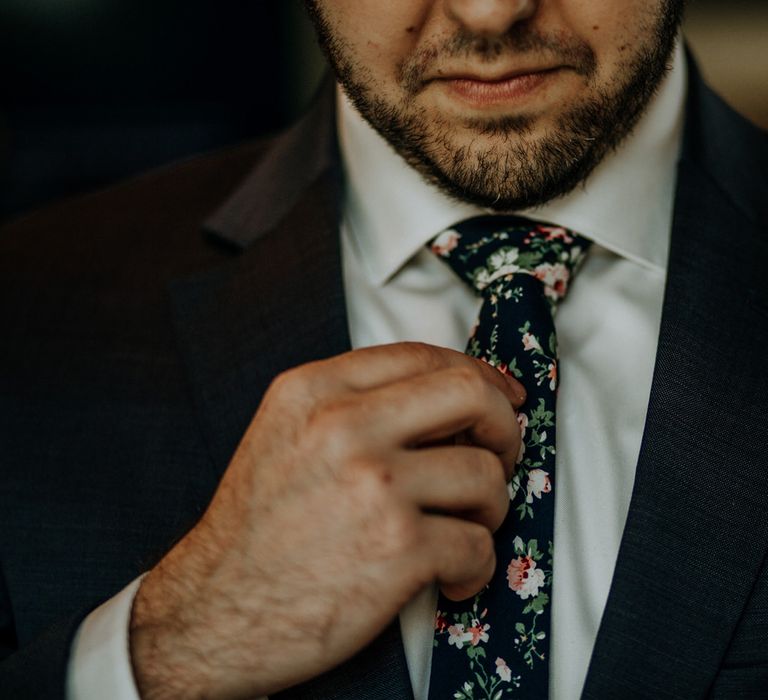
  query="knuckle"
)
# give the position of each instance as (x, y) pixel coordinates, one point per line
(305, 383)
(490, 469)
(290, 383)
(332, 414)
(423, 355)
(370, 478)
(480, 544)
(283, 382)
(332, 424)
(403, 531)
(470, 383)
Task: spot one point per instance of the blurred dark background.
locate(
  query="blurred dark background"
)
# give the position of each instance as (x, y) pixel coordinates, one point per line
(97, 90)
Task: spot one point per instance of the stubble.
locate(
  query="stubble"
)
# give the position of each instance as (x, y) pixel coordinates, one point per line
(508, 167)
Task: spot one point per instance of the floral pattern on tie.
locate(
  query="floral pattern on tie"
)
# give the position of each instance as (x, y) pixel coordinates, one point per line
(522, 270)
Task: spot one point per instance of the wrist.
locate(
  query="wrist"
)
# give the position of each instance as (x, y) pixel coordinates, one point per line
(168, 655)
(188, 640)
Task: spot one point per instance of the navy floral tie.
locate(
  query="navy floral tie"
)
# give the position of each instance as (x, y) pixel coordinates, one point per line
(497, 644)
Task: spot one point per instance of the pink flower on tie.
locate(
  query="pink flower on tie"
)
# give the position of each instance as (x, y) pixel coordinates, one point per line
(445, 243)
(552, 375)
(457, 636)
(555, 232)
(530, 342)
(522, 421)
(538, 483)
(479, 633)
(524, 578)
(441, 622)
(555, 278)
(503, 671)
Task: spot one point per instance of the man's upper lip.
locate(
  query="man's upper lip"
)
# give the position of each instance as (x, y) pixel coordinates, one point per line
(490, 76)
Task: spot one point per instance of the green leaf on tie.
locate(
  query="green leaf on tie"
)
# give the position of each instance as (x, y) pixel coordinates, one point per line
(512, 367)
(537, 604)
(527, 261)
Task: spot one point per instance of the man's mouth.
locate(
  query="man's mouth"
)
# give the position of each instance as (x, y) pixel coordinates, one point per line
(480, 90)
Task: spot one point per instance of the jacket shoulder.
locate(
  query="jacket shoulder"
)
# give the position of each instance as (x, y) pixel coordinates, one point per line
(731, 150)
(166, 205)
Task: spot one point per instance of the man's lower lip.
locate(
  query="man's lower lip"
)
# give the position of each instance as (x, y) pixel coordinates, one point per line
(483, 92)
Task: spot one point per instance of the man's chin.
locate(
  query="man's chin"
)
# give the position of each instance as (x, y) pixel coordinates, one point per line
(506, 171)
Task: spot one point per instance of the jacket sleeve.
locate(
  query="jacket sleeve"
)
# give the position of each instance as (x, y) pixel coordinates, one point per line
(82, 657)
(39, 670)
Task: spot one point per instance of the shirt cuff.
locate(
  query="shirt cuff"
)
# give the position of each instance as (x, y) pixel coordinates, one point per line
(100, 662)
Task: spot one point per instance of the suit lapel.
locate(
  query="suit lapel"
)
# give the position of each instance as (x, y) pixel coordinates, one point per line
(278, 301)
(686, 564)
(276, 304)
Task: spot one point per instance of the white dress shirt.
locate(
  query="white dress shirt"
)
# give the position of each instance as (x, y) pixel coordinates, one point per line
(607, 332)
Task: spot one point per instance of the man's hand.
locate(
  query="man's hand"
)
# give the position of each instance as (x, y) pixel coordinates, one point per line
(346, 496)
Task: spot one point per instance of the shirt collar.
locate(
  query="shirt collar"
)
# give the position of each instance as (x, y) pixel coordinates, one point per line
(625, 205)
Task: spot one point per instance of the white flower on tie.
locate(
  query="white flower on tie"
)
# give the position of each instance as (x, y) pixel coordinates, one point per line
(500, 264)
(530, 342)
(503, 671)
(503, 258)
(555, 278)
(538, 483)
(524, 578)
(446, 242)
(457, 636)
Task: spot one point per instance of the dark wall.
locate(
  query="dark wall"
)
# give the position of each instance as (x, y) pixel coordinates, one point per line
(96, 90)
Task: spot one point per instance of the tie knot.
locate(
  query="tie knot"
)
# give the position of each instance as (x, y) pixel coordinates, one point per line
(490, 251)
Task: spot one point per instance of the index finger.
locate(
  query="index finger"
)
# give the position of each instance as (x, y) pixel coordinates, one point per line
(378, 365)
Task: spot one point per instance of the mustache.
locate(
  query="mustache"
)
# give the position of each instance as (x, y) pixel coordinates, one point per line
(520, 42)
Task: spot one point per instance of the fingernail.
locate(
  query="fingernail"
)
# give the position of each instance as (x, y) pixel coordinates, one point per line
(520, 392)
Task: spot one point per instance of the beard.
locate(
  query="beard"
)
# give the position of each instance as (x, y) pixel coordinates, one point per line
(508, 167)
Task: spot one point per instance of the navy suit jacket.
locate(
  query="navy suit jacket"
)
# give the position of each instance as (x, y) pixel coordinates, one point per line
(142, 324)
